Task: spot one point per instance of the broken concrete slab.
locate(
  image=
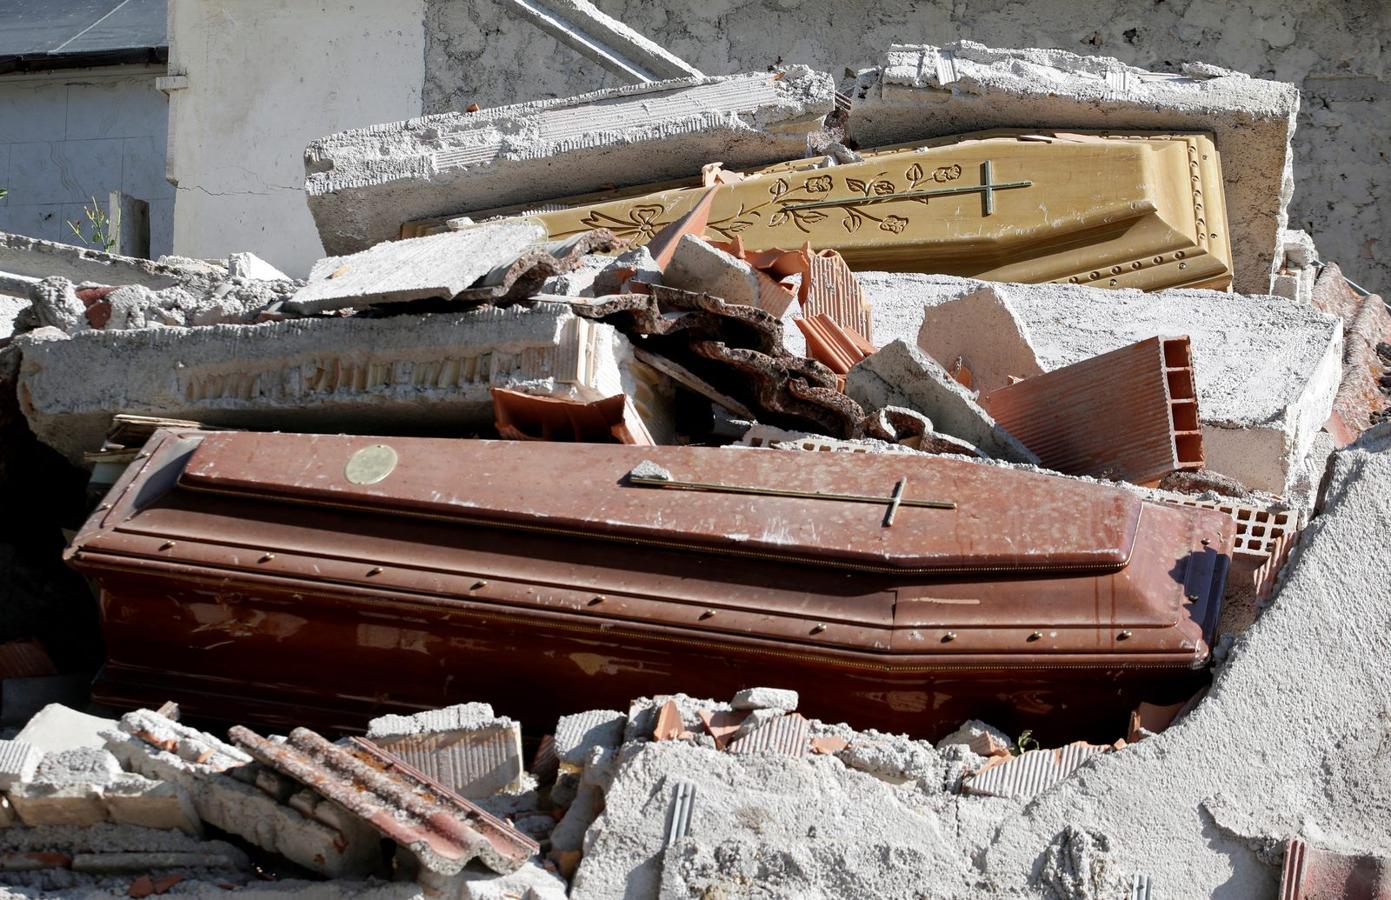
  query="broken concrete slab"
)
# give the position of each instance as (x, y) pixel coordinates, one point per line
(922, 91)
(763, 819)
(1267, 369)
(36, 259)
(332, 374)
(585, 28)
(696, 265)
(364, 184)
(19, 760)
(438, 266)
(577, 735)
(765, 698)
(464, 747)
(57, 728)
(1299, 685)
(902, 375)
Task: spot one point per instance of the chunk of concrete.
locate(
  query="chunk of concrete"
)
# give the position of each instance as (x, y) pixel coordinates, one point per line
(1300, 685)
(1267, 369)
(577, 735)
(795, 827)
(465, 747)
(902, 375)
(37, 259)
(364, 184)
(922, 91)
(332, 374)
(249, 265)
(585, 28)
(57, 728)
(766, 698)
(436, 266)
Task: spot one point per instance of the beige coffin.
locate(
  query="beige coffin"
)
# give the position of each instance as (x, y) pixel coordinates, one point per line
(1141, 211)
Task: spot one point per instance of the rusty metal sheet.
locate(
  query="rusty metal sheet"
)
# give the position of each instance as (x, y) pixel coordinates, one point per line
(1130, 414)
(442, 829)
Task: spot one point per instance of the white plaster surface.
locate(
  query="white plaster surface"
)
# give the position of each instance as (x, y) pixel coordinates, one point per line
(265, 77)
(66, 137)
(1266, 368)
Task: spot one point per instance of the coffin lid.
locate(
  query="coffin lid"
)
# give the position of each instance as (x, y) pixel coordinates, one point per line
(1005, 520)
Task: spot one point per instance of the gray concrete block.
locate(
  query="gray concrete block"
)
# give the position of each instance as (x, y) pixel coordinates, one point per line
(922, 91)
(902, 375)
(437, 266)
(577, 735)
(700, 267)
(332, 374)
(1267, 369)
(363, 184)
(58, 728)
(76, 805)
(134, 800)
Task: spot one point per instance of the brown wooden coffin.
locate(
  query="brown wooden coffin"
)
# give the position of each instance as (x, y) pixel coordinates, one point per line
(318, 579)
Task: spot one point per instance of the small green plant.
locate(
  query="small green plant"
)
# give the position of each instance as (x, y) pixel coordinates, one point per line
(98, 227)
(1024, 743)
(3, 193)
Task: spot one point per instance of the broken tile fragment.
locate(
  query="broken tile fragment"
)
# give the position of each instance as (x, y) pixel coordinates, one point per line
(785, 735)
(1312, 873)
(1131, 414)
(901, 375)
(524, 417)
(464, 747)
(668, 726)
(1029, 774)
(837, 348)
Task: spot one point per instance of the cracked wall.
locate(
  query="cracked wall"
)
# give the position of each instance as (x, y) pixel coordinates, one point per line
(265, 77)
(1334, 51)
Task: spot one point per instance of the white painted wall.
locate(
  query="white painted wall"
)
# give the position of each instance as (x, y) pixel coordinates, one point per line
(264, 78)
(66, 137)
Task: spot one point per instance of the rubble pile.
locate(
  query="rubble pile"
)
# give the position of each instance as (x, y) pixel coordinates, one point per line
(974, 425)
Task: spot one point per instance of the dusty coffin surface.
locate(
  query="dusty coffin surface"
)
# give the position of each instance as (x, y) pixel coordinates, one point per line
(364, 184)
(1303, 694)
(923, 91)
(415, 371)
(1266, 368)
(440, 570)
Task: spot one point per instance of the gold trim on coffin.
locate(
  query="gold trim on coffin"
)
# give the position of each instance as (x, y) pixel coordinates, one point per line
(1135, 210)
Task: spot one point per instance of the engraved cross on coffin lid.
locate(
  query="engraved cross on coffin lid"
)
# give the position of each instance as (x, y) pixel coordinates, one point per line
(1136, 210)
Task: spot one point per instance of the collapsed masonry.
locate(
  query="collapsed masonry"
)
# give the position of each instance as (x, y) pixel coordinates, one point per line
(896, 495)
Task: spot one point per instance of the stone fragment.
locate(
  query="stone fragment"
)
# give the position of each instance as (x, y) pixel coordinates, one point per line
(249, 265)
(19, 760)
(531, 882)
(696, 265)
(464, 747)
(364, 184)
(922, 91)
(765, 698)
(577, 735)
(980, 738)
(438, 266)
(901, 375)
(600, 38)
(58, 728)
(317, 374)
(1266, 369)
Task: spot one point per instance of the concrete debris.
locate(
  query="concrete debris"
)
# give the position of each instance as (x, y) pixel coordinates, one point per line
(364, 185)
(541, 273)
(765, 698)
(1266, 369)
(439, 266)
(902, 375)
(333, 374)
(922, 91)
(466, 748)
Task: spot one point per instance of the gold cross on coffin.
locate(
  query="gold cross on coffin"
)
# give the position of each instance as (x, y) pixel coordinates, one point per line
(650, 474)
(987, 188)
